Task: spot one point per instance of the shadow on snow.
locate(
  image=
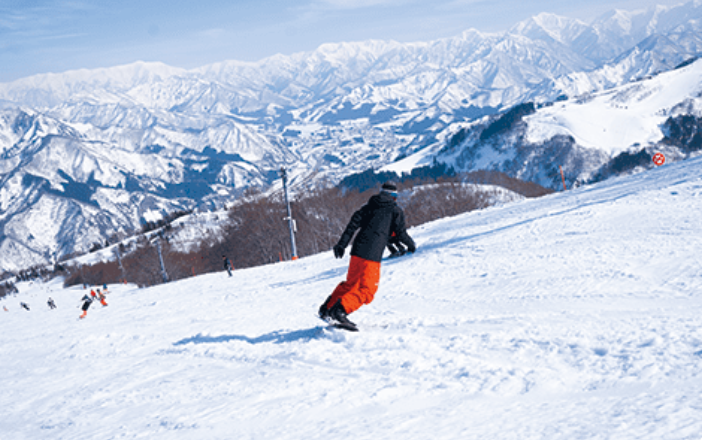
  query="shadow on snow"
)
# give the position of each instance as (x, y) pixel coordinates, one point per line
(277, 337)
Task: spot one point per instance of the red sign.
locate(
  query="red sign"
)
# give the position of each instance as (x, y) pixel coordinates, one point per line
(659, 159)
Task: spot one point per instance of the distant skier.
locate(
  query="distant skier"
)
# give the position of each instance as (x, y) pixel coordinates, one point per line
(24, 306)
(227, 264)
(377, 220)
(5, 308)
(51, 303)
(87, 300)
(99, 296)
(102, 298)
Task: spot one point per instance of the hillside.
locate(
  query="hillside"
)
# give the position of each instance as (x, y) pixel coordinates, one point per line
(89, 156)
(587, 136)
(575, 315)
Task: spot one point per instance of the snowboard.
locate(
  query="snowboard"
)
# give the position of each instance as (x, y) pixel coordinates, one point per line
(339, 325)
(334, 324)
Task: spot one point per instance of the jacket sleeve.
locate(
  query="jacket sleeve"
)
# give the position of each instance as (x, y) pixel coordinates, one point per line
(401, 231)
(354, 224)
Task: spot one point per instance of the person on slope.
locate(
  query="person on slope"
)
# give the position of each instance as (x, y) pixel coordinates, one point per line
(87, 300)
(377, 220)
(51, 303)
(227, 264)
(102, 298)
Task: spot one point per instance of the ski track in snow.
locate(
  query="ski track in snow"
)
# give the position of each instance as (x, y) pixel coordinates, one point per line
(573, 316)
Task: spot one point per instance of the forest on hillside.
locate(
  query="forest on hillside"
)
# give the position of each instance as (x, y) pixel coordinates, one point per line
(254, 233)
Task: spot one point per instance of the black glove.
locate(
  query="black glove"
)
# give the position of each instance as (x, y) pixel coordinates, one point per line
(338, 251)
(411, 248)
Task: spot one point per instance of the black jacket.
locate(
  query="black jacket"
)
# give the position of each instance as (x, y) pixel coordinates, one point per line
(377, 220)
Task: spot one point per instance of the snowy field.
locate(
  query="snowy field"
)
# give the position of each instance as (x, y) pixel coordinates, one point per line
(616, 120)
(573, 316)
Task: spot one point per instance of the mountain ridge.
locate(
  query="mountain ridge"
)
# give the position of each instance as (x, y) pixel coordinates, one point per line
(178, 139)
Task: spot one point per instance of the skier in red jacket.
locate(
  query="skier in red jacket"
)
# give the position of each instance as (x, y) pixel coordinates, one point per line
(377, 220)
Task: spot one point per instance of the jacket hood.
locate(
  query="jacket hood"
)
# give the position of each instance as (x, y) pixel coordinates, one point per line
(381, 200)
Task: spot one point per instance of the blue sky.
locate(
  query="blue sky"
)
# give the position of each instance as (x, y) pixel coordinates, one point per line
(40, 36)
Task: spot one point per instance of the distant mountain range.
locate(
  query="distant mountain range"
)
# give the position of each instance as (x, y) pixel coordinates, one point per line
(92, 154)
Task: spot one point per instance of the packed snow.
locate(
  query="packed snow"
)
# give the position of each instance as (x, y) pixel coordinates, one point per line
(573, 316)
(617, 119)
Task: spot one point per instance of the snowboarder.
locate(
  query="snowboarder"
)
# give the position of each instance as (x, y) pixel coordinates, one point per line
(87, 300)
(377, 220)
(227, 264)
(51, 303)
(101, 297)
(24, 306)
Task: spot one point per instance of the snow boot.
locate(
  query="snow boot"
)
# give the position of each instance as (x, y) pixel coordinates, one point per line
(338, 314)
(324, 310)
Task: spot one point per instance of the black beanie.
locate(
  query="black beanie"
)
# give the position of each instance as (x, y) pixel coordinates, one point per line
(389, 186)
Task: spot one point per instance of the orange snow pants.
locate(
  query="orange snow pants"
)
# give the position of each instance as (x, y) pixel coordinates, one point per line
(360, 286)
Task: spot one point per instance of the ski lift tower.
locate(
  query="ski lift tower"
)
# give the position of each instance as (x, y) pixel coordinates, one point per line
(157, 240)
(291, 222)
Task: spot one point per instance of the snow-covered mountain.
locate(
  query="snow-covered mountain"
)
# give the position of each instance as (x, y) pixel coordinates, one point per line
(573, 316)
(91, 152)
(590, 137)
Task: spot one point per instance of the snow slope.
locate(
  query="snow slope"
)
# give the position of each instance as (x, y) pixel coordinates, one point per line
(572, 316)
(615, 120)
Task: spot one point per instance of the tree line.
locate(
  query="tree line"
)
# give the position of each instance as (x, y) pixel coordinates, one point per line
(255, 232)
